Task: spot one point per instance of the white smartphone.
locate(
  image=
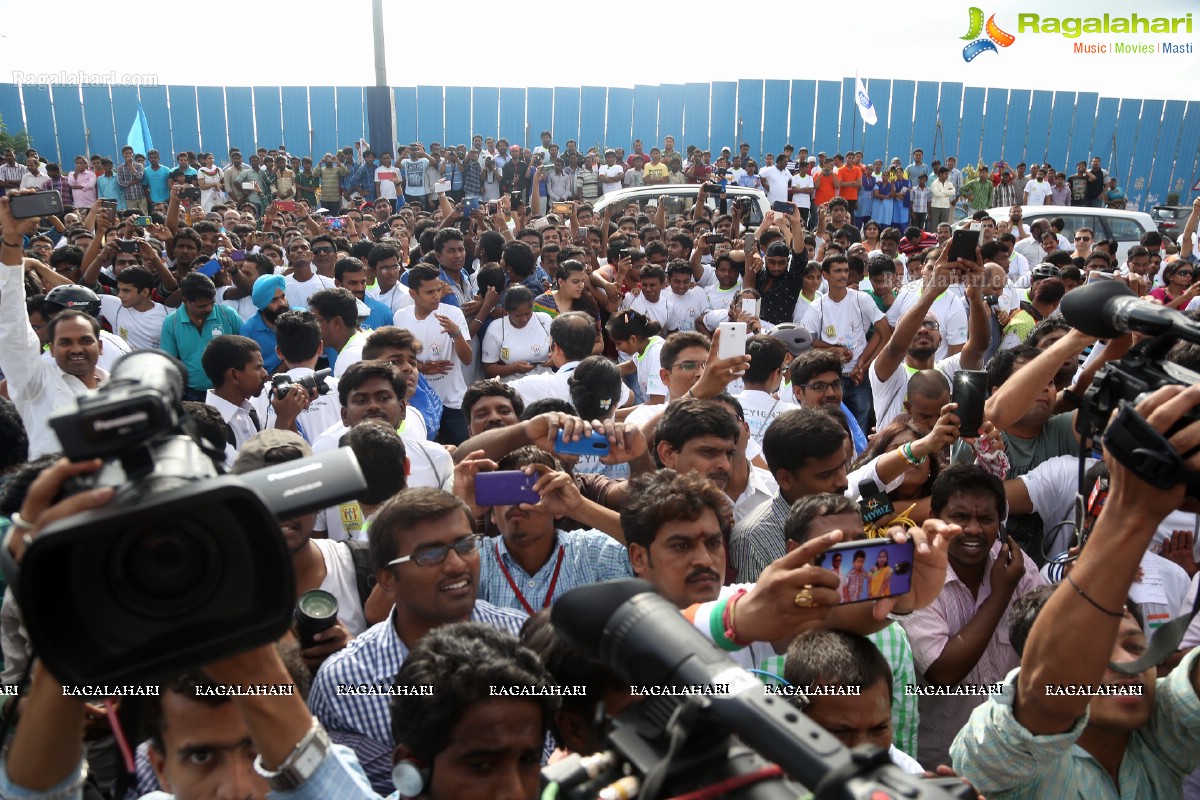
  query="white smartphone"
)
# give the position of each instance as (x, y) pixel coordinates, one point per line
(750, 306)
(733, 339)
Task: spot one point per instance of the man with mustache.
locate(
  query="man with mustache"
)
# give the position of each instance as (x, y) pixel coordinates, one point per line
(532, 563)
(490, 405)
(269, 297)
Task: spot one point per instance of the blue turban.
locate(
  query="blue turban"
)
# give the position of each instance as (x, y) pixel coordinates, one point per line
(265, 288)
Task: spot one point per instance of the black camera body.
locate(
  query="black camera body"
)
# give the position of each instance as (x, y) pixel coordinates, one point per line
(185, 565)
(190, 193)
(282, 383)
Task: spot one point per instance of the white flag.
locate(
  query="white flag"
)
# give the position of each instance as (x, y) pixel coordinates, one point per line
(864, 103)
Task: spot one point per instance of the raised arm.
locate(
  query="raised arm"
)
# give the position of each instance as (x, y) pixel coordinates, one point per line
(1009, 402)
(892, 356)
(979, 330)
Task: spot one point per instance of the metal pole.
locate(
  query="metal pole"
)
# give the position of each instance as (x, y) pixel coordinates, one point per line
(377, 29)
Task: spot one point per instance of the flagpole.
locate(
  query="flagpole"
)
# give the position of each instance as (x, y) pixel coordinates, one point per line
(854, 112)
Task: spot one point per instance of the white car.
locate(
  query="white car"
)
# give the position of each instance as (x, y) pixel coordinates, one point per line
(683, 196)
(1126, 227)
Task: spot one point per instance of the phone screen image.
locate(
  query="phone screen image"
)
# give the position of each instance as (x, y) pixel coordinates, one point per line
(869, 569)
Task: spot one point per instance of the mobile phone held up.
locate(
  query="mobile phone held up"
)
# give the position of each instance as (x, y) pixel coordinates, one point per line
(964, 244)
(970, 392)
(505, 488)
(594, 444)
(142, 222)
(38, 204)
(733, 340)
(783, 207)
(869, 569)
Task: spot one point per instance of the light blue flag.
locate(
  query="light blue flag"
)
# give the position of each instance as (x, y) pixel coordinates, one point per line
(139, 135)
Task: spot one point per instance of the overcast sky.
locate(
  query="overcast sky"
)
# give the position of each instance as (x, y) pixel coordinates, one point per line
(897, 41)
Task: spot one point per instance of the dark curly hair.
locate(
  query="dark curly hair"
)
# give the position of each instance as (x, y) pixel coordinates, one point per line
(660, 497)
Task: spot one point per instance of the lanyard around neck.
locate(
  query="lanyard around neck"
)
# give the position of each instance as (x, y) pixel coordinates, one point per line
(521, 597)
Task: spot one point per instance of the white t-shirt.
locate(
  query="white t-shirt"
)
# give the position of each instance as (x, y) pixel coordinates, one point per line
(659, 312)
(614, 171)
(414, 176)
(140, 329)
(714, 317)
(321, 413)
(801, 181)
(341, 582)
(350, 354)
(1038, 192)
(506, 344)
(395, 298)
(687, 307)
(554, 384)
(298, 292)
(890, 395)
(383, 176)
(777, 181)
(761, 409)
(648, 367)
(718, 298)
(438, 346)
(244, 306)
(950, 310)
(843, 323)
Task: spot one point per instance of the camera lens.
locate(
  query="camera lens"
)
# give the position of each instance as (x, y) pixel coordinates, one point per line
(166, 571)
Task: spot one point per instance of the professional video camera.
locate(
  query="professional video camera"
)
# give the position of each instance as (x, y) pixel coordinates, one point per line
(686, 743)
(184, 566)
(1106, 310)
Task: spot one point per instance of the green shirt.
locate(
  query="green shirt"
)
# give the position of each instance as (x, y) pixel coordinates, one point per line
(307, 186)
(979, 193)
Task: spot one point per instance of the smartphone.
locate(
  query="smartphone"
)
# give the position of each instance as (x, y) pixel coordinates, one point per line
(594, 444)
(335, 223)
(869, 568)
(110, 206)
(379, 230)
(142, 222)
(237, 255)
(964, 244)
(470, 205)
(516, 199)
(492, 208)
(750, 306)
(783, 207)
(562, 209)
(715, 238)
(1095, 276)
(733, 339)
(127, 245)
(970, 391)
(505, 488)
(285, 205)
(38, 204)
(209, 268)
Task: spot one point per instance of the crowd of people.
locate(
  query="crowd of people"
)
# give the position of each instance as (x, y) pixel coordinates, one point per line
(450, 312)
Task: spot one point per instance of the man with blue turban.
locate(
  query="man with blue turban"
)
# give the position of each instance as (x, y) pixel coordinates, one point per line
(271, 301)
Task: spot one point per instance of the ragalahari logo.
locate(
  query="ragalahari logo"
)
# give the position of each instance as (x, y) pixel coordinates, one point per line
(995, 36)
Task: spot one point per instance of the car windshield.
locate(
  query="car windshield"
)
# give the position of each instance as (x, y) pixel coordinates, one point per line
(678, 203)
(1170, 212)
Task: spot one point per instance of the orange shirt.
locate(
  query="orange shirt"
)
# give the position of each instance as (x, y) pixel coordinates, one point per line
(849, 173)
(826, 188)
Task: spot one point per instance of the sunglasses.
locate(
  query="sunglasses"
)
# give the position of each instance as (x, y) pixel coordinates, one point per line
(1083, 238)
(323, 250)
(1187, 273)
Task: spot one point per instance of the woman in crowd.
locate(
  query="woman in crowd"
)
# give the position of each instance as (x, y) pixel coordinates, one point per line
(882, 209)
(870, 236)
(900, 187)
(1178, 289)
(637, 336)
(518, 343)
(211, 184)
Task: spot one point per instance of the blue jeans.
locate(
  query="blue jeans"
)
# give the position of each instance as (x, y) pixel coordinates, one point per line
(858, 399)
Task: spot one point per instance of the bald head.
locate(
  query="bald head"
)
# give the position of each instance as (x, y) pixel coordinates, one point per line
(928, 391)
(995, 277)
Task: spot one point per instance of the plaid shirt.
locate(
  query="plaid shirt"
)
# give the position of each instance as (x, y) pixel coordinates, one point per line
(373, 658)
(920, 199)
(364, 180)
(472, 186)
(893, 643)
(130, 180)
(1004, 760)
(587, 557)
(13, 173)
(758, 539)
(60, 184)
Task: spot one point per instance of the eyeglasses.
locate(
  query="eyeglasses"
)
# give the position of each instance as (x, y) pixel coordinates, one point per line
(693, 366)
(1083, 238)
(322, 251)
(821, 387)
(930, 325)
(432, 556)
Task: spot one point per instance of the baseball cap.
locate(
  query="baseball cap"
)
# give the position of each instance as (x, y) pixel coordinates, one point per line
(256, 452)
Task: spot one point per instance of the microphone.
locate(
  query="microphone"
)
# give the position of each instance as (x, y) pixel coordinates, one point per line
(1109, 309)
(644, 639)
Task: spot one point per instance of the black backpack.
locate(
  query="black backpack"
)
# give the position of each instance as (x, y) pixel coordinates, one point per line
(364, 572)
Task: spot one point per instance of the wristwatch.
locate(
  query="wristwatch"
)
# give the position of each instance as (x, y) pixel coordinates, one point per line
(300, 765)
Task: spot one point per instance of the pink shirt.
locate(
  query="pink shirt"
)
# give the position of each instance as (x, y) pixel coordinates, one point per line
(83, 186)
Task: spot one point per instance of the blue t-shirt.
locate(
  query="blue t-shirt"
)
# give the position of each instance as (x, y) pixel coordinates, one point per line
(379, 317)
(158, 183)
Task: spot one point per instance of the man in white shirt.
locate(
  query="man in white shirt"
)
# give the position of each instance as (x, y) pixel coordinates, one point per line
(234, 365)
(572, 338)
(760, 401)
(611, 173)
(387, 179)
(650, 301)
(304, 282)
(777, 181)
(131, 314)
(941, 199)
(336, 311)
(442, 330)
(35, 177)
(298, 345)
(1037, 190)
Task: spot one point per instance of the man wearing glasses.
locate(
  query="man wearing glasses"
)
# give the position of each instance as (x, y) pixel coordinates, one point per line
(303, 283)
(426, 558)
(1083, 243)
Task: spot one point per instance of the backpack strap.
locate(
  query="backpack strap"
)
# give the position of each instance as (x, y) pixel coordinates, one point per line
(364, 573)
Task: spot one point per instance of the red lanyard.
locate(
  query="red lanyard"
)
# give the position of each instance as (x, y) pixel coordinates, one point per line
(553, 579)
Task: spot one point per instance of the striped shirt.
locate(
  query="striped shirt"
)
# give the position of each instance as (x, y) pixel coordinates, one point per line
(929, 631)
(1004, 760)
(758, 539)
(587, 557)
(893, 643)
(373, 658)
